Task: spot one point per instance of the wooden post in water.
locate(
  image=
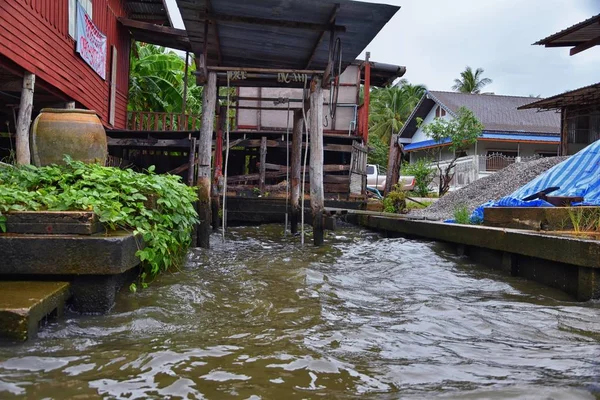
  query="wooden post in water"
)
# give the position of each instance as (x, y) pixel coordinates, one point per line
(209, 100)
(218, 172)
(24, 120)
(262, 168)
(296, 166)
(317, 196)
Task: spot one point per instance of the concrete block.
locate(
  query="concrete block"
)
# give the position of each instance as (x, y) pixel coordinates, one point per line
(53, 222)
(98, 254)
(25, 305)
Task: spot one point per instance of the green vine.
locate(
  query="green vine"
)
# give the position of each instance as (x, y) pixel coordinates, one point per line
(157, 208)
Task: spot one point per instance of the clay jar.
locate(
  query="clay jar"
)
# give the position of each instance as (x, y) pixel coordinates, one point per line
(74, 132)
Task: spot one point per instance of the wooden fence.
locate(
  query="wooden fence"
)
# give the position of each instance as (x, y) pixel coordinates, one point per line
(162, 121)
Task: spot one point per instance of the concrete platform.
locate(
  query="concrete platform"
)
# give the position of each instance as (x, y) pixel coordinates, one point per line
(24, 307)
(98, 254)
(97, 265)
(566, 263)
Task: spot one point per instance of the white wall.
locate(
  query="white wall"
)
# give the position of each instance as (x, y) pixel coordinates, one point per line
(524, 149)
(419, 135)
(345, 118)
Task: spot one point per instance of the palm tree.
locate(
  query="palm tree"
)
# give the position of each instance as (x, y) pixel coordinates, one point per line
(471, 82)
(391, 107)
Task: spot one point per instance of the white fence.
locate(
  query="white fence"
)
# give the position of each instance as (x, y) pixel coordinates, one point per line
(469, 169)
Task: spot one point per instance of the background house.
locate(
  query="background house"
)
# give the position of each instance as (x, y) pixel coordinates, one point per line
(509, 135)
(579, 108)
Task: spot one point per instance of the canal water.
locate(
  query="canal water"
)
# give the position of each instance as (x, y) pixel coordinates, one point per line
(258, 317)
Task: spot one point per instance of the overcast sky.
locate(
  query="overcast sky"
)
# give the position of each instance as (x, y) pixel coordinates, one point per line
(437, 39)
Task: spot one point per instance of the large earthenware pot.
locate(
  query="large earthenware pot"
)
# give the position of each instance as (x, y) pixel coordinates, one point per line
(59, 132)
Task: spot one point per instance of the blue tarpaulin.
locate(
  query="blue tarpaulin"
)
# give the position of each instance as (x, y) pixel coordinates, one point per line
(579, 176)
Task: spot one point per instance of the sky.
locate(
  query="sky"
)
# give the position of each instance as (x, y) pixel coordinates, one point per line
(437, 39)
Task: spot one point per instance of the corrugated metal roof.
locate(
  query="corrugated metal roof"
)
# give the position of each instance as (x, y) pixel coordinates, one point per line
(574, 35)
(252, 45)
(496, 113)
(154, 11)
(586, 95)
(506, 137)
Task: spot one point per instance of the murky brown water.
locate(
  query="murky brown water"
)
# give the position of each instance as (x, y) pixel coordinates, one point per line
(364, 316)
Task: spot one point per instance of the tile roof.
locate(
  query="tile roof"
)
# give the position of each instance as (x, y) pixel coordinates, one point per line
(496, 113)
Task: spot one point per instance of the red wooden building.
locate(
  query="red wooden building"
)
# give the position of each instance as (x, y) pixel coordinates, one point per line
(38, 37)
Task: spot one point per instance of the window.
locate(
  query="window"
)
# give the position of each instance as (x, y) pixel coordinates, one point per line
(87, 6)
(370, 170)
(439, 112)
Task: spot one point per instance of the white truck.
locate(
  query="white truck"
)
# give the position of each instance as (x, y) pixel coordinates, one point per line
(376, 178)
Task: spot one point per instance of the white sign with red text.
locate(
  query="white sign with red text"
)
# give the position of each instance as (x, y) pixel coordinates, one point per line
(91, 43)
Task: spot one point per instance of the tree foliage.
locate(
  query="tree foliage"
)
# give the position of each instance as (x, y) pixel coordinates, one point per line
(471, 82)
(390, 108)
(388, 111)
(156, 81)
(459, 133)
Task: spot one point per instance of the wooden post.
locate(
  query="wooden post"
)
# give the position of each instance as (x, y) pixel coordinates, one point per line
(295, 173)
(262, 168)
(317, 196)
(367, 97)
(185, 86)
(218, 172)
(564, 133)
(24, 120)
(209, 100)
(393, 167)
(191, 162)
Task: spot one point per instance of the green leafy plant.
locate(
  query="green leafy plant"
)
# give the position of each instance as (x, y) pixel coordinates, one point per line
(423, 172)
(157, 208)
(461, 214)
(395, 201)
(410, 205)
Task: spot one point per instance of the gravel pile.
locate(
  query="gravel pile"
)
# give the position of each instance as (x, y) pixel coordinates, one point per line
(492, 187)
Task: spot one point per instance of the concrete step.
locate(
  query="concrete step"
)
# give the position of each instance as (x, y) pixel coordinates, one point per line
(25, 306)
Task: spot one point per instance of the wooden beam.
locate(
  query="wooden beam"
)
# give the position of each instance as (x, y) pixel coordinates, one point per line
(263, 160)
(179, 34)
(334, 13)
(271, 22)
(584, 46)
(267, 70)
(134, 142)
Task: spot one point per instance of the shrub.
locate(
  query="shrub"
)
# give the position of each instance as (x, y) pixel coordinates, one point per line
(462, 214)
(157, 208)
(423, 173)
(395, 201)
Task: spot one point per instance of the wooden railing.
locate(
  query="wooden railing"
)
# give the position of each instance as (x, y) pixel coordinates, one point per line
(162, 121)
